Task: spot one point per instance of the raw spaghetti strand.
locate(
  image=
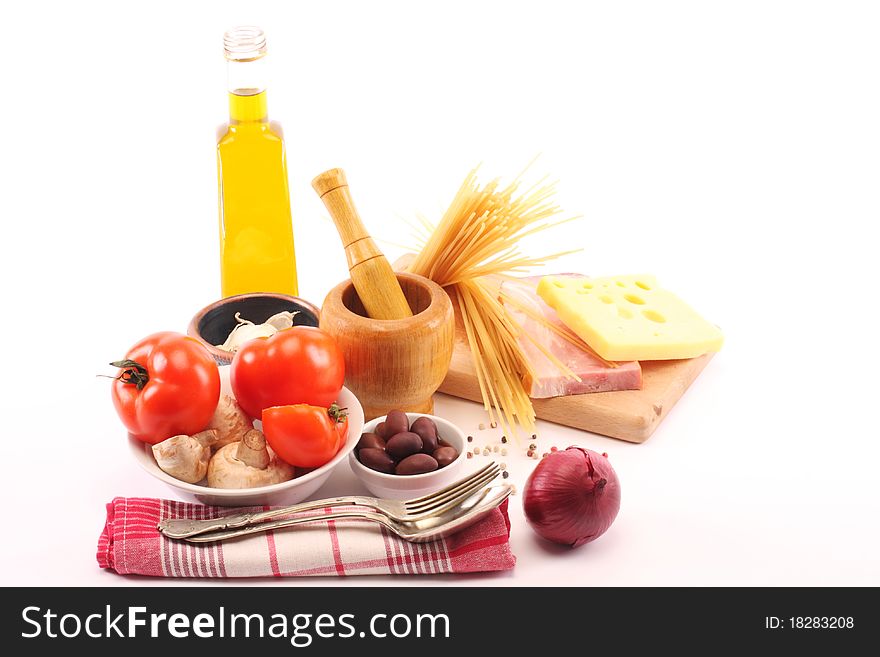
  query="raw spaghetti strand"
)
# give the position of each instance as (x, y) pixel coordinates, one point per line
(476, 239)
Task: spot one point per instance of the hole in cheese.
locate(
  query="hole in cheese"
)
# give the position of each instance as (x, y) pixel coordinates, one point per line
(625, 313)
(654, 316)
(621, 284)
(606, 299)
(632, 298)
(643, 285)
(559, 284)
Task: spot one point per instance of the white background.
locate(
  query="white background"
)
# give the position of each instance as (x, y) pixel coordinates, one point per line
(731, 149)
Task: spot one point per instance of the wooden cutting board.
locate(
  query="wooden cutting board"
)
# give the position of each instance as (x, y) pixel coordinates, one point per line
(630, 415)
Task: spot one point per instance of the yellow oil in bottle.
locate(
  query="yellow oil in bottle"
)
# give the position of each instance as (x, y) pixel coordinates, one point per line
(256, 233)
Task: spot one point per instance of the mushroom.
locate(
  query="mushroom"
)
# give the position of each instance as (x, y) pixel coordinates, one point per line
(247, 464)
(230, 421)
(186, 457)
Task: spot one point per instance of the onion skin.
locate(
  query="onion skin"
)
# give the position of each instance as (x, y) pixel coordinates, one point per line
(572, 496)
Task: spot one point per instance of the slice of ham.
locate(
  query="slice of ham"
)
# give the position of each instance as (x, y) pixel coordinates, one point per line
(595, 374)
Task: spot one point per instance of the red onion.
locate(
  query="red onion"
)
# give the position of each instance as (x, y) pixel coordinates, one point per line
(572, 497)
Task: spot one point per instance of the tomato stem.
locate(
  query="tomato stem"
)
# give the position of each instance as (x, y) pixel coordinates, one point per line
(336, 413)
(133, 373)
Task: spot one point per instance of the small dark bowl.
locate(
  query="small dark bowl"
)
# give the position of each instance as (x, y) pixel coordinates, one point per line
(213, 324)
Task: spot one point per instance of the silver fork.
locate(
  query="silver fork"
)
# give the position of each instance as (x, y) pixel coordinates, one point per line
(422, 529)
(436, 503)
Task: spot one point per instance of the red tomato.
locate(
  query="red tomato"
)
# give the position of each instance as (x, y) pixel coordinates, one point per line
(299, 365)
(305, 436)
(168, 385)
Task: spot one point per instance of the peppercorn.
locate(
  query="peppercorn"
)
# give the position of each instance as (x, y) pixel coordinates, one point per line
(505, 474)
(545, 454)
(496, 448)
(503, 466)
(503, 451)
(493, 425)
(482, 426)
(533, 446)
(529, 453)
(469, 455)
(605, 454)
(503, 439)
(470, 439)
(553, 449)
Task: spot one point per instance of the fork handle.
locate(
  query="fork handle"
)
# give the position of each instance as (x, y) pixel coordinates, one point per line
(211, 537)
(184, 528)
(348, 500)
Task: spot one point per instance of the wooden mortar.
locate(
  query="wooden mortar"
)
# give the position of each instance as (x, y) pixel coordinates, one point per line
(393, 363)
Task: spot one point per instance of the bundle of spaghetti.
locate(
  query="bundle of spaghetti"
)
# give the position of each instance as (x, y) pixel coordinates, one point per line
(474, 244)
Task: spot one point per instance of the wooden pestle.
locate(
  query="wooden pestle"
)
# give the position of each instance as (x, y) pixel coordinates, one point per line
(371, 273)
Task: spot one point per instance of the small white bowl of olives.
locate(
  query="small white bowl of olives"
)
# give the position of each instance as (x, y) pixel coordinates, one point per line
(405, 455)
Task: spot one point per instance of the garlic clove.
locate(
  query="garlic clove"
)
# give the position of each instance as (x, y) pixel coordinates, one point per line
(252, 331)
(230, 340)
(282, 320)
(245, 332)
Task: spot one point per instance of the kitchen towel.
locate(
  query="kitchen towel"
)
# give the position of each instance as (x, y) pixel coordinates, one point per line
(131, 545)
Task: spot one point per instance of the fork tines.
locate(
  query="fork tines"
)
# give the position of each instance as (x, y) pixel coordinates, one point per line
(453, 493)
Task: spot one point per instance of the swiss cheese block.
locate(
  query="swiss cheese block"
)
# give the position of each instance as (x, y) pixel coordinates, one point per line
(629, 318)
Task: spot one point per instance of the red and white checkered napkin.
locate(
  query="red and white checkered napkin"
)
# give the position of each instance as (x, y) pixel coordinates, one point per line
(131, 544)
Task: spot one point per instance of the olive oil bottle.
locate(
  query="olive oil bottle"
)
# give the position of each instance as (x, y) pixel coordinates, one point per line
(256, 233)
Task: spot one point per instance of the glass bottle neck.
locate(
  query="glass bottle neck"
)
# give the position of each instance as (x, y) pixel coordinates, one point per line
(247, 91)
(248, 108)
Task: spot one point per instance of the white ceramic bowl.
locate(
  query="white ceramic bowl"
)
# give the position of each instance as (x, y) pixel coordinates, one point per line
(287, 492)
(404, 487)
